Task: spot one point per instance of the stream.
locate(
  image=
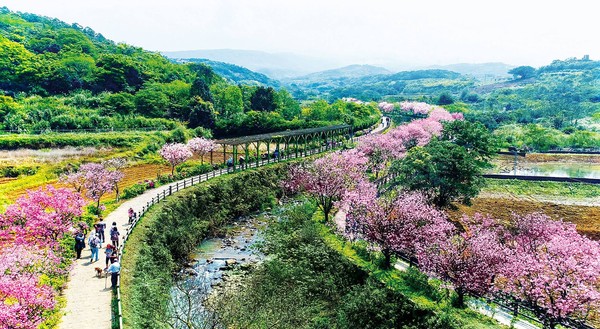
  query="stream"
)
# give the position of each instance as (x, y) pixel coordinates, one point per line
(211, 261)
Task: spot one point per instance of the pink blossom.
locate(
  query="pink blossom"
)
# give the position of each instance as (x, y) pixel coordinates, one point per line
(201, 146)
(397, 225)
(41, 216)
(385, 107)
(328, 178)
(415, 107)
(551, 267)
(175, 153)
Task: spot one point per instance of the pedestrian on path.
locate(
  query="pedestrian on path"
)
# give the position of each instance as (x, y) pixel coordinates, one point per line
(100, 227)
(114, 236)
(79, 243)
(114, 269)
(109, 252)
(130, 212)
(94, 243)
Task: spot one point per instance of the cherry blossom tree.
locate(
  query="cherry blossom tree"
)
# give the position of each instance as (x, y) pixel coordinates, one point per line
(175, 153)
(415, 107)
(396, 224)
(73, 178)
(469, 260)
(99, 181)
(25, 300)
(328, 178)
(551, 268)
(42, 216)
(385, 107)
(115, 165)
(201, 146)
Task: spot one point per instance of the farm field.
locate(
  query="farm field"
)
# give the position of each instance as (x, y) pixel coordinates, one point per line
(587, 218)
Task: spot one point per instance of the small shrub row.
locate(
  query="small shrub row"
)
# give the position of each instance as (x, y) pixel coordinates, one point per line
(13, 142)
(137, 189)
(12, 171)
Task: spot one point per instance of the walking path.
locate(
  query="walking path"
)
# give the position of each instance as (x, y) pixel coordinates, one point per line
(88, 297)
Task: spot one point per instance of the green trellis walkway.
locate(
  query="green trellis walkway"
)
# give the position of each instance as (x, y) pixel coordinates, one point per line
(281, 145)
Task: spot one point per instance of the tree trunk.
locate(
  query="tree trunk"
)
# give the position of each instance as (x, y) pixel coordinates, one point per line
(460, 300)
(388, 258)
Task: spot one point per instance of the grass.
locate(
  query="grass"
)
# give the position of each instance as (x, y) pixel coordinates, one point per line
(401, 281)
(555, 189)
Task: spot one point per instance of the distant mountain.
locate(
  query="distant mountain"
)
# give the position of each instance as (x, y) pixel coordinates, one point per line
(375, 87)
(480, 70)
(350, 71)
(275, 65)
(235, 73)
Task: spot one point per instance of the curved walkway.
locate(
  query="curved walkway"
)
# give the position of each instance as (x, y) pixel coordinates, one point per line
(88, 297)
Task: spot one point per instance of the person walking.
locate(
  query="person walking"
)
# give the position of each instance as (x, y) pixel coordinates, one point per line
(114, 269)
(109, 251)
(79, 243)
(130, 212)
(100, 227)
(94, 243)
(114, 236)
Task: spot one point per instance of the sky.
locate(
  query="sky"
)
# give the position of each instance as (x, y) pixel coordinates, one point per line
(400, 32)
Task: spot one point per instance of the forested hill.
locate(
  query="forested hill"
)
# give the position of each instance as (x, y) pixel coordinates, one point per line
(47, 56)
(56, 76)
(234, 73)
(377, 86)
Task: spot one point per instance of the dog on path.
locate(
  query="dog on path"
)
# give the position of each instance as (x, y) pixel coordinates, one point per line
(99, 272)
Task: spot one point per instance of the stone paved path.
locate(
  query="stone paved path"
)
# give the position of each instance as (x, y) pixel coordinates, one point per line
(88, 297)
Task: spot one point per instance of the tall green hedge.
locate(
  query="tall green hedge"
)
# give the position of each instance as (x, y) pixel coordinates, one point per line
(173, 229)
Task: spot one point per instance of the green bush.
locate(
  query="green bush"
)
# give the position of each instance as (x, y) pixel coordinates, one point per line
(12, 171)
(133, 191)
(190, 169)
(54, 140)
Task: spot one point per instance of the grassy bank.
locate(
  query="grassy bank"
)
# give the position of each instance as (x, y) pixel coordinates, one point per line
(426, 294)
(170, 231)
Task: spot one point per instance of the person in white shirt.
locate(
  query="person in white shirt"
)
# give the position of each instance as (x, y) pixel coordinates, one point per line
(114, 269)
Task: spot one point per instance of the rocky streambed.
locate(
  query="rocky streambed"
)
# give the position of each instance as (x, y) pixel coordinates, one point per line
(211, 265)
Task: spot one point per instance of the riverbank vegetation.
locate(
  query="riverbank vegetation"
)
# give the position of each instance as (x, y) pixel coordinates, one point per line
(173, 229)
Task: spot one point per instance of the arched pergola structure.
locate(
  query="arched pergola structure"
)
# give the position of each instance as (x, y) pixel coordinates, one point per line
(281, 145)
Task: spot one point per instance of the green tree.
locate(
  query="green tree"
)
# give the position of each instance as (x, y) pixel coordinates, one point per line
(263, 99)
(201, 89)
(522, 72)
(445, 98)
(287, 105)
(117, 72)
(444, 171)
(228, 100)
(474, 137)
(202, 114)
(121, 103)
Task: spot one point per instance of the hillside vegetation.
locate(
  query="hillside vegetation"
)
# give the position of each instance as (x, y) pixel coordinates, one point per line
(55, 76)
